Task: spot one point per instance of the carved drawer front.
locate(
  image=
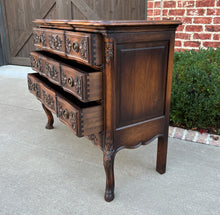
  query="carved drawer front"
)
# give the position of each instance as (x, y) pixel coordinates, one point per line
(47, 67)
(36, 62)
(83, 47)
(83, 118)
(33, 86)
(39, 37)
(48, 97)
(85, 86)
(83, 121)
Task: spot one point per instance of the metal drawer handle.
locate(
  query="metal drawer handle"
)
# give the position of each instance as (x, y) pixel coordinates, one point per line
(70, 81)
(65, 114)
(76, 46)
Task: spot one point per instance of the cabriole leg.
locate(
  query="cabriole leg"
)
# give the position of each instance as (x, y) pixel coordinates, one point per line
(108, 160)
(50, 122)
(162, 154)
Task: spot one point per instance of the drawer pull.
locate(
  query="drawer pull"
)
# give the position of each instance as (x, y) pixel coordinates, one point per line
(65, 114)
(76, 46)
(70, 81)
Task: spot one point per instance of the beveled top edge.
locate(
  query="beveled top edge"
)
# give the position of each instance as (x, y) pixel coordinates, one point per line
(103, 23)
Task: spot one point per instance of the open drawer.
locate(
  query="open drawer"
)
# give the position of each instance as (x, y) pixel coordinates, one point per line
(84, 83)
(83, 118)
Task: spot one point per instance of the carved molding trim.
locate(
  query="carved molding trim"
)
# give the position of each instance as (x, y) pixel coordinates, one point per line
(51, 71)
(39, 38)
(78, 84)
(48, 100)
(55, 42)
(84, 48)
(36, 63)
(34, 87)
(63, 78)
(109, 50)
(68, 45)
(108, 149)
(67, 116)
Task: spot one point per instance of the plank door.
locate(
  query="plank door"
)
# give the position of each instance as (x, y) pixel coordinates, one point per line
(102, 9)
(18, 16)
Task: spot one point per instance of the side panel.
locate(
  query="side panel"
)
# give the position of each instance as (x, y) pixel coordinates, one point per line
(141, 76)
(141, 87)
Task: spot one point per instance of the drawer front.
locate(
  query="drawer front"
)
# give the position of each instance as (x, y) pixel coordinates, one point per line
(48, 97)
(39, 37)
(74, 82)
(83, 121)
(77, 46)
(46, 67)
(68, 115)
(83, 47)
(42, 92)
(85, 86)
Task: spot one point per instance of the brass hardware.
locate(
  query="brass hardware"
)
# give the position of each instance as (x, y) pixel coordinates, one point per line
(70, 81)
(65, 114)
(76, 46)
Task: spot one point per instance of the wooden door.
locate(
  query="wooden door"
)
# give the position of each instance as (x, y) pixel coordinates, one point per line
(19, 14)
(102, 9)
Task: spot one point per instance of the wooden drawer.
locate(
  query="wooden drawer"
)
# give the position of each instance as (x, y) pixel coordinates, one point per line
(83, 118)
(86, 86)
(83, 47)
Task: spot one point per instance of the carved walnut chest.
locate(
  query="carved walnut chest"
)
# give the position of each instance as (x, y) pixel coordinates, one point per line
(109, 81)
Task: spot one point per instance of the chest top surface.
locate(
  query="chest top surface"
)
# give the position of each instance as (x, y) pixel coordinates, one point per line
(115, 25)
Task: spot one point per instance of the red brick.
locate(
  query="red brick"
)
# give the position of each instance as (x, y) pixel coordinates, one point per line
(216, 37)
(178, 43)
(213, 11)
(205, 3)
(169, 4)
(192, 44)
(183, 36)
(180, 28)
(179, 133)
(150, 12)
(195, 12)
(211, 44)
(212, 28)
(185, 20)
(176, 12)
(202, 36)
(202, 20)
(217, 20)
(165, 12)
(218, 3)
(202, 138)
(186, 4)
(150, 18)
(190, 135)
(150, 4)
(156, 18)
(157, 4)
(156, 12)
(194, 28)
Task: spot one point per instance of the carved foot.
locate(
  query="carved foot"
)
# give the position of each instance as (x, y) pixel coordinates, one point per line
(109, 195)
(109, 156)
(50, 122)
(162, 154)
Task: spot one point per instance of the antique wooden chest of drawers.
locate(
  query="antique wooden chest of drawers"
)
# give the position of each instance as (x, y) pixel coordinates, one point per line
(109, 81)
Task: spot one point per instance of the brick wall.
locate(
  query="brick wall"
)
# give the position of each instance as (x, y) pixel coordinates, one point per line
(200, 18)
